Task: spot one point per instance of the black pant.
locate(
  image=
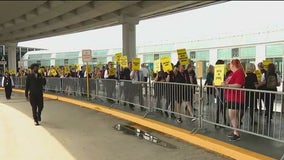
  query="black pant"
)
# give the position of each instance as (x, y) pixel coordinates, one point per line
(37, 106)
(170, 96)
(221, 106)
(110, 88)
(251, 102)
(269, 101)
(8, 91)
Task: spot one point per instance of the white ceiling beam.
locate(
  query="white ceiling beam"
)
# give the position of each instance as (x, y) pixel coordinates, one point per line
(53, 4)
(42, 9)
(20, 20)
(31, 15)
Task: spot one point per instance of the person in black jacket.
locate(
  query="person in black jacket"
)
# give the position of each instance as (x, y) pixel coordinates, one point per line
(220, 100)
(251, 100)
(7, 83)
(34, 92)
(209, 82)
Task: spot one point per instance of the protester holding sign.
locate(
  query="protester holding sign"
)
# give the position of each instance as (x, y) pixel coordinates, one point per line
(159, 88)
(219, 71)
(137, 77)
(182, 93)
(193, 81)
(170, 91)
(110, 74)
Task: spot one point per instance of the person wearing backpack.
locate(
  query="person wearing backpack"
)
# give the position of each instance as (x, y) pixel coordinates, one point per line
(269, 80)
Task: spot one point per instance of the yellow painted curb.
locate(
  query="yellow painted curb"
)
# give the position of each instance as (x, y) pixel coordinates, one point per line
(197, 139)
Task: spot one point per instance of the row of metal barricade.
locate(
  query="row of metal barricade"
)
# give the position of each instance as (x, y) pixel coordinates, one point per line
(261, 114)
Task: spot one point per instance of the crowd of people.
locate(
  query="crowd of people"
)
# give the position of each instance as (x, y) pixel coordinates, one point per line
(230, 95)
(179, 85)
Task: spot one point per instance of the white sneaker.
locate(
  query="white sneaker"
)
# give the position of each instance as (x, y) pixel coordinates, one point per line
(179, 120)
(193, 119)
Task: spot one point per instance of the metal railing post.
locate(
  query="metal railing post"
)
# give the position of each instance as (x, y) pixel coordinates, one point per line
(200, 101)
(151, 108)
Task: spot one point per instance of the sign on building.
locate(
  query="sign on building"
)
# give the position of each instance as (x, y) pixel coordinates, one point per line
(87, 55)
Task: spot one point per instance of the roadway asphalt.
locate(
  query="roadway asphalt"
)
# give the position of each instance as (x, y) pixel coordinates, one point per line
(72, 132)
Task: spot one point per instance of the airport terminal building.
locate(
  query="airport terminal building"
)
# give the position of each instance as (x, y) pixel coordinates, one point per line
(249, 48)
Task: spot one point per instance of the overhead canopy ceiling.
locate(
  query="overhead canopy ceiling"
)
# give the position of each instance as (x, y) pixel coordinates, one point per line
(27, 20)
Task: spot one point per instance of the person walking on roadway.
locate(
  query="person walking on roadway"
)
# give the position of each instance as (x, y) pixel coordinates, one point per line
(7, 83)
(34, 92)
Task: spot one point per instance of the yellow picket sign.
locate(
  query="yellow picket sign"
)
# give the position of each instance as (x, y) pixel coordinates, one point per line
(12, 72)
(136, 64)
(78, 68)
(67, 69)
(88, 69)
(58, 69)
(219, 72)
(266, 63)
(166, 63)
(111, 71)
(258, 75)
(123, 61)
(157, 66)
(40, 70)
(182, 56)
(117, 57)
(53, 72)
(99, 65)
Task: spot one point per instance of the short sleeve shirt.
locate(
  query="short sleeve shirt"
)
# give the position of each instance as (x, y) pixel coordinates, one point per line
(234, 95)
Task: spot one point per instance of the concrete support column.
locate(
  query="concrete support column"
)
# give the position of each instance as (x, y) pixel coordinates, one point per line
(260, 53)
(213, 56)
(20, 52)
(12, 59)
(129, 36)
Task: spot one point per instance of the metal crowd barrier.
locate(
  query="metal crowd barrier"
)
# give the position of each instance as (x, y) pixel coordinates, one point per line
(261, 113)
(205, 105)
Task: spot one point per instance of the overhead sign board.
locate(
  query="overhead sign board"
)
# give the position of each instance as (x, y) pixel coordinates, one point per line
(87, 55)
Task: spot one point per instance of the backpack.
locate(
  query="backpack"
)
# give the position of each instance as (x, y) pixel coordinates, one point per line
(271, 81)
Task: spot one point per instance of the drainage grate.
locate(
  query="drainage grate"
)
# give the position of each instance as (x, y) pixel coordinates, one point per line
(127, 129)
